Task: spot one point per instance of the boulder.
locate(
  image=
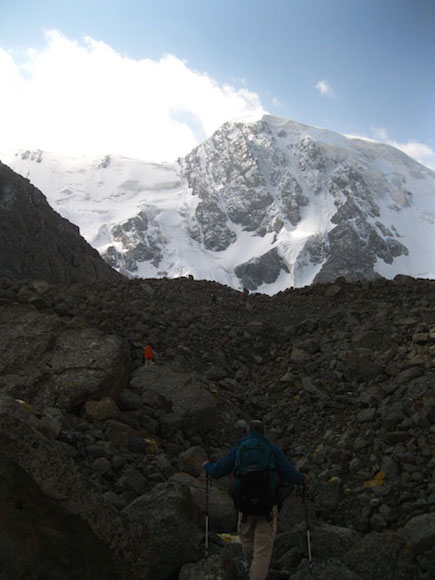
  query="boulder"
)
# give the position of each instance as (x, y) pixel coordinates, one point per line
(381, 555)
(228, 564)
(367, 339)
(188, 399)
(359, 368)
(69, 366)
(212, 568)
(101, 410)
(221, 510)
(420, 532)
(173, 539)
(326, 541)
(330, 569)
(191, 460)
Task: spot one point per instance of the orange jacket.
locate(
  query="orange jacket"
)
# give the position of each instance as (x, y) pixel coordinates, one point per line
(149, 353)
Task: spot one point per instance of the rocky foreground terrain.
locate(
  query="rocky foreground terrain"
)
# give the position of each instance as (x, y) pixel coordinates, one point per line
(100, 457)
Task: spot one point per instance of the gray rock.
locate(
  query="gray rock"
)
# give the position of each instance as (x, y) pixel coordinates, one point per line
(381, 554)
(263, 270)
(118, 433)
(101, 410)
(128, 400)
(50, 427)
(168, 513)
(95, 451)
(409, 374)
(131, 481)
(137, 445)
(69, 374)
(213, 568)
(114, 499)
(366, 415)
(189, 399)
(118, 461)
(330, 569)
(390, 466)
(360, 444)
(100, 466)
(359, 368)
(138, 243)
(164, 465)
(377, 522)
(367, 339)
(222, 513)
(326, 542)
(229, 563)
(191, 460)
(420, 531)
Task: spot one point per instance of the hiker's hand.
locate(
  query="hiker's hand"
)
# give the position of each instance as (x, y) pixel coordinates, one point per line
(204, 463)
(306, 477)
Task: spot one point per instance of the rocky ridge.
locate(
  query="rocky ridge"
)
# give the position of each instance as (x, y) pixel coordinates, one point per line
(37, 243)
(341, 373)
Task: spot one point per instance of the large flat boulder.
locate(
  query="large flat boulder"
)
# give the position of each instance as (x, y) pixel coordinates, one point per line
(187, 400)
(48, 364)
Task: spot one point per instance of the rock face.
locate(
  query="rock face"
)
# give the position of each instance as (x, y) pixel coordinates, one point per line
(37, 243)
(258, 271)
(282, 179)
(101, 453)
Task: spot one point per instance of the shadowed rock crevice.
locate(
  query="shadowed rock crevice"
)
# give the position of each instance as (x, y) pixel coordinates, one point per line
(40, 539)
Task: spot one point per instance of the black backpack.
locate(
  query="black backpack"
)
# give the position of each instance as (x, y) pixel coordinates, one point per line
(254, 469)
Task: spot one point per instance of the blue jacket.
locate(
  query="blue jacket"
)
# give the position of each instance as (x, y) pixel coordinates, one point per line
(283, 466)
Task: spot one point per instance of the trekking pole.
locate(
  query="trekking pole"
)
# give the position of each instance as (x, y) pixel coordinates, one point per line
(206, 515)
(306, 521)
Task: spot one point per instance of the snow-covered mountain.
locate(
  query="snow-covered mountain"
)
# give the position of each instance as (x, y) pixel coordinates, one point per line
(264, 205)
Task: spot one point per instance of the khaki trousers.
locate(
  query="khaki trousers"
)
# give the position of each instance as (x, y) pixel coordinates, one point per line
(257, 536)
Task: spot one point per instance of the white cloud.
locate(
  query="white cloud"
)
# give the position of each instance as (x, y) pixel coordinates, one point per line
(84, 97)
(418, 151)
(325, 89)
(379, 133)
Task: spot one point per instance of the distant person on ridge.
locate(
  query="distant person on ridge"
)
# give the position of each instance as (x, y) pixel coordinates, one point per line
(149, 355)
(256, 464)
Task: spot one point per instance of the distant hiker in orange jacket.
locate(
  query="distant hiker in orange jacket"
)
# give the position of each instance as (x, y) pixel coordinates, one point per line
(149, 355)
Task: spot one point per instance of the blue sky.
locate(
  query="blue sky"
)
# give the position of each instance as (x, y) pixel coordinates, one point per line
(169, 72)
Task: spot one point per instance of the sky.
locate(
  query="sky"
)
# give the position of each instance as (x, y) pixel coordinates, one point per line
(150, 79)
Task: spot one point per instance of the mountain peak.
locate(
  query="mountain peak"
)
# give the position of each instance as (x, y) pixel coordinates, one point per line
(264, 205)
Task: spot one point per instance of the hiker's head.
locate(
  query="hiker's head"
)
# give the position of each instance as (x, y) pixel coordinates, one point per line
(256, 426)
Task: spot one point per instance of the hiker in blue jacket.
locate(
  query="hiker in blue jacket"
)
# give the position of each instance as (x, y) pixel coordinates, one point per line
(258, 509)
